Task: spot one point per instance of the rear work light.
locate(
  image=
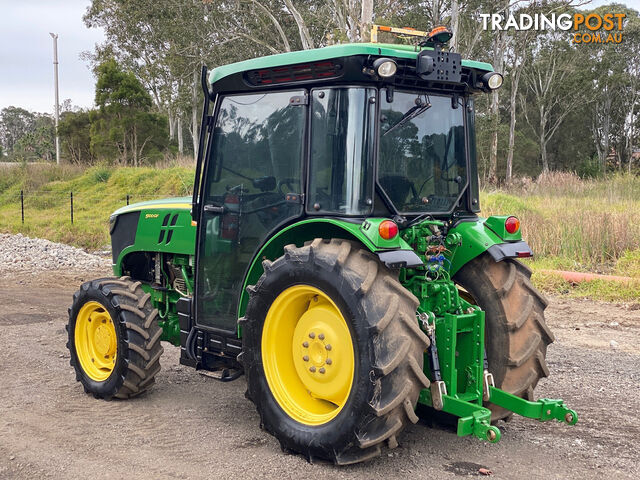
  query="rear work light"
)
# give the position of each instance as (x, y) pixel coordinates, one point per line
(388, 229)
(512, 225)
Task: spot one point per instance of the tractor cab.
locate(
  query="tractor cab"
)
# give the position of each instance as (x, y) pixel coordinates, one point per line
(349, 131)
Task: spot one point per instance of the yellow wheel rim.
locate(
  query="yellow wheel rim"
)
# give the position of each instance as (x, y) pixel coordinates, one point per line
(96, 341)
(308, 355)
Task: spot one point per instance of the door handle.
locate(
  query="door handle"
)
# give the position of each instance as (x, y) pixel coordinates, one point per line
(214, 209)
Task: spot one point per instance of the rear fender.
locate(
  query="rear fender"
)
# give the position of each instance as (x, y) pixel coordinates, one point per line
(478, 237)
(395, 254)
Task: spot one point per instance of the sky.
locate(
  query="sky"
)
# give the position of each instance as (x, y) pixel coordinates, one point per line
(26, 52)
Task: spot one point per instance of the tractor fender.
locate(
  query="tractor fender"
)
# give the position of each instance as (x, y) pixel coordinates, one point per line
(478, 237)
(395, 254)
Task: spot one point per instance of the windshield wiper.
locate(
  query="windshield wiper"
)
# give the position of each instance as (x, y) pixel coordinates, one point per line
(421, 106)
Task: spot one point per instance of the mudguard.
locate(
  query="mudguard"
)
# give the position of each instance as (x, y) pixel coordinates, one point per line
(478, 236)
(395, 253)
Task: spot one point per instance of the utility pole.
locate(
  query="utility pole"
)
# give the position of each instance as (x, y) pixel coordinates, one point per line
(55, 77)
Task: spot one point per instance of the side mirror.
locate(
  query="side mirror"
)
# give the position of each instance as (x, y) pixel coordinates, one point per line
(426, 65)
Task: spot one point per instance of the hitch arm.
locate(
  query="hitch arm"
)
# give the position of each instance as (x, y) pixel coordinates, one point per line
(544, 409)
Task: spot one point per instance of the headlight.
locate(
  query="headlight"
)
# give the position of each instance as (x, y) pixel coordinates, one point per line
(385, 67)
(492, 80)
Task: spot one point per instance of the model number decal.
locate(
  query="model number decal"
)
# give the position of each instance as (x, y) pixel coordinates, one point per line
(152, 215)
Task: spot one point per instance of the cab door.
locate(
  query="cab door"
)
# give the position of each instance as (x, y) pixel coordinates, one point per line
(256, 158)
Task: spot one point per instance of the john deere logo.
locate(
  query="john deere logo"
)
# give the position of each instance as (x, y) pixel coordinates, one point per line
(167, 227)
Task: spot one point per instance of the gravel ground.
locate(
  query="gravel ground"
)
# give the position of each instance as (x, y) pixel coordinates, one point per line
(190, 426)
(20, 253)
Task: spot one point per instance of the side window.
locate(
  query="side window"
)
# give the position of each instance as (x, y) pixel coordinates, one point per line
(258, 143)
(342, 144)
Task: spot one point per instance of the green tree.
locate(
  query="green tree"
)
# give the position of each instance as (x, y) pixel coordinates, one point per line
(38, 143)
(123, 127)
(15, 122)
(75, 137)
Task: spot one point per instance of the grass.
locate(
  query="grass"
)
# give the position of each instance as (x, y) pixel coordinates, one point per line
(579, 225)
(97, 192)
(571, 224)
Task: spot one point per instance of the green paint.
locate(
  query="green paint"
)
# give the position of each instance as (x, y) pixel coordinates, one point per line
(457, 329)
(496, 224)
(544, 409)
(165, 302)
(327, 53)
(476, 239)
(370, 228)
(150, 225)
(157, 204)
(316, 227)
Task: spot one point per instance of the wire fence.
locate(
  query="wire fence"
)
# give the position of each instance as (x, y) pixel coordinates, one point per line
(70, 202)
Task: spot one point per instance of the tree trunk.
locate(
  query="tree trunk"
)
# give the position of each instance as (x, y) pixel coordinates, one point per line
(493, 151)
(435, 13)
(498, 64)
(545, 159)
(305, 36)
(180, 135)
(455, 13)
(135, 146)
(172, 130)
(366, 19)
(517, 70)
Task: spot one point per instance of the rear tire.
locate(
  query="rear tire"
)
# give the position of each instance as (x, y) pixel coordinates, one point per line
(133, 360)
(388, 348)
(517, 335)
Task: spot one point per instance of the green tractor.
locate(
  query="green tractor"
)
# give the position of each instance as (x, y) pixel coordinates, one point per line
(332, 253)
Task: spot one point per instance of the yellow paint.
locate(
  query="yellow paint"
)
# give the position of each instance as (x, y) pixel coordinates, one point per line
(308, 355)
(158, 206)
(96, 341)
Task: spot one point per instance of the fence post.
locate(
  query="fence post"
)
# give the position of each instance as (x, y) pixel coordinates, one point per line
(127, 199)
(71, 196)
(22, 205)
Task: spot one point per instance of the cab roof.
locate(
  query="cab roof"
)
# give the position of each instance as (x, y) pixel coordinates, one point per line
(327, 53)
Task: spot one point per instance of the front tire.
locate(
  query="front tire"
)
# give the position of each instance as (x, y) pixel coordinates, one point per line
(114, 338)
(380, 350)
(517, 335)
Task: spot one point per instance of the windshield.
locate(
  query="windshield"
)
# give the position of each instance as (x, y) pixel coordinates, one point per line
(422, 160)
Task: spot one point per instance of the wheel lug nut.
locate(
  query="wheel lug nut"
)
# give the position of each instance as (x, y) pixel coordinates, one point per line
(327, 346)
(312, 335)
(104, 321)
(328, 361)
(321, 336)
(305, 358)
(305, 344)
(312, 369)
(322, 370)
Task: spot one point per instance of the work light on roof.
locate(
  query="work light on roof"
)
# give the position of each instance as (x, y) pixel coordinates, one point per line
(492, 80)
(385, 67)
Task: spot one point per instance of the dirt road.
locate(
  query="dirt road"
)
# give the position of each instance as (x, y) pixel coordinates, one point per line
(190, 426)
